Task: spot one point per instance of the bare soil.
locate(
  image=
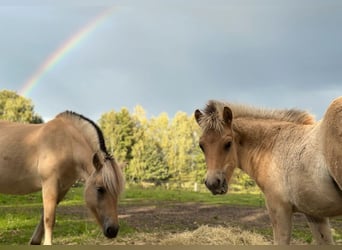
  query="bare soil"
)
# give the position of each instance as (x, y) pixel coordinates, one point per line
(175, 218)
(157, 223)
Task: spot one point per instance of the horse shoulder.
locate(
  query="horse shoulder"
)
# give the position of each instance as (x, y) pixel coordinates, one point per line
(57, 149)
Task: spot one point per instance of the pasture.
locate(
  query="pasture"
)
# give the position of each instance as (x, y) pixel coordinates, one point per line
(154, 216)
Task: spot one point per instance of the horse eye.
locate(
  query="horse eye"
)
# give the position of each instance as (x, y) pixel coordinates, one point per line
(100, 190)
(227, 145)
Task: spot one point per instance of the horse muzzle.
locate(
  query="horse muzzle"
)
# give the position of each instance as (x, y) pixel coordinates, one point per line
(110, 231)
(217, 186)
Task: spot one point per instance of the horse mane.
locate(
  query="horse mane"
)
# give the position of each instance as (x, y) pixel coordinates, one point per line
(100, 138)
(213, 119)
(113, 182)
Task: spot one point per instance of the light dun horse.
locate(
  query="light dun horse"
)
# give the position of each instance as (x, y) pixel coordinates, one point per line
(295, 161)
(51, 157)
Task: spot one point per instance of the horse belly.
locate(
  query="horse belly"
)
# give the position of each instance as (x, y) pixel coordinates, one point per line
(16, 179)
(324, 201)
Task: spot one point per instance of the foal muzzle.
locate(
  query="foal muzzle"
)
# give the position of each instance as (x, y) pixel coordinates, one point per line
(217, 186)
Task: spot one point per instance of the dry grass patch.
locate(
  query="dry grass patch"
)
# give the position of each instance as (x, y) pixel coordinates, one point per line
(204, 235)
(219, 235)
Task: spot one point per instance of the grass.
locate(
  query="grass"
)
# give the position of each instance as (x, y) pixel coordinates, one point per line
(20, 214)
(136, 195)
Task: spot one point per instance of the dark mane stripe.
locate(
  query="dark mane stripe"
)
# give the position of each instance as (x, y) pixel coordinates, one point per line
(97, 129)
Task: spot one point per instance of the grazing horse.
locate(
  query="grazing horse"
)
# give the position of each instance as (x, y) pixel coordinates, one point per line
(51, 157)
(296, 161)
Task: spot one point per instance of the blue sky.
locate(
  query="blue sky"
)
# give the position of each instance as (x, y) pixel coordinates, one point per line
(170, 56)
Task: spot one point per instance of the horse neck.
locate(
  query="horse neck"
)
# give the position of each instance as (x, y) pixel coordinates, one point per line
(255, 140)
(88, 132)
(85, 144)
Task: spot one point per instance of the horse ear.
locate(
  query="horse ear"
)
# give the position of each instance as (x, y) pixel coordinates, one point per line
(227, 115)
(198, 115)
(96, 162)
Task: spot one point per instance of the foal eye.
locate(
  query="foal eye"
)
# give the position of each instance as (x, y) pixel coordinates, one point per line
(100, 190)
(227, 145)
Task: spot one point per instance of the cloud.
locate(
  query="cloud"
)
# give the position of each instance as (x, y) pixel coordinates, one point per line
(170, 56)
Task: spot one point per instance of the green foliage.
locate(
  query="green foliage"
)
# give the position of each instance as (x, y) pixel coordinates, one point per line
(241, 181)
(118, 132)
(155, 150)
(148, 162)
(17, 108)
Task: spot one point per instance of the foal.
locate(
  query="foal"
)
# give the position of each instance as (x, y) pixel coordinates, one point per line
(296, 162)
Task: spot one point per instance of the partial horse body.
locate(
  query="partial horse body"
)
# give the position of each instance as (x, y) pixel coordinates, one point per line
(296, 161)
(51, 157)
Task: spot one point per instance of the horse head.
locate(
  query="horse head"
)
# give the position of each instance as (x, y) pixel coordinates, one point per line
(102, 191)
(217, 144)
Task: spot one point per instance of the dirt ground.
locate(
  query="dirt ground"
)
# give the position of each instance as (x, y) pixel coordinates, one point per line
(197, 223)
(174, 218)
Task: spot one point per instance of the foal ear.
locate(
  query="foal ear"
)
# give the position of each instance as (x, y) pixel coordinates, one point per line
(198, 115)
(227, 115)
(96, 162)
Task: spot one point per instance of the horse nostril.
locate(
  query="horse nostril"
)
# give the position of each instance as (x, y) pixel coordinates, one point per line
(111, 231)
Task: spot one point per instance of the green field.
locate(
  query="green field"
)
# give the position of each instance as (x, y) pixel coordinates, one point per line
(20, 214)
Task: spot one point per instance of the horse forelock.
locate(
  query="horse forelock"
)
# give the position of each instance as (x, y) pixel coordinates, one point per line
(112, 178)
(212, 115)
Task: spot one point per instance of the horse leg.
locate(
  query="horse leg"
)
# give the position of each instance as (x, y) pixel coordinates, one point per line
(320, 228)
(50, 200)
(281, 219)
(37, 236)
(49, 220)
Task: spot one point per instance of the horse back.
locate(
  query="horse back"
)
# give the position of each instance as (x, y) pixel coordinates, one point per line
(331, 136)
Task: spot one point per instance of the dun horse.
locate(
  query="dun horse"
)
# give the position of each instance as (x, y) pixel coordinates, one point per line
(295, 161)
(51, 157)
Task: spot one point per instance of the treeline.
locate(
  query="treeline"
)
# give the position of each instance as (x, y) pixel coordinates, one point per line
(156, 151)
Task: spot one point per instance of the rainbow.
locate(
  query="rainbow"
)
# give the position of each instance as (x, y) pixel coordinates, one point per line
(62, 51)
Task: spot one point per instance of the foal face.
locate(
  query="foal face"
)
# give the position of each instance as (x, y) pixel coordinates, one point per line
(220, 159)
(220, 153)
(102, 204)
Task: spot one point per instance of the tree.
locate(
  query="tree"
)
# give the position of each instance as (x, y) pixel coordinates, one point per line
(179, 152)
(118, 129)
(148, 161)
(16, 108)
(157, 138)
(198, 161)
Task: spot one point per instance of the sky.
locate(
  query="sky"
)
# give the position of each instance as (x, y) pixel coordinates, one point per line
(94, 56)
